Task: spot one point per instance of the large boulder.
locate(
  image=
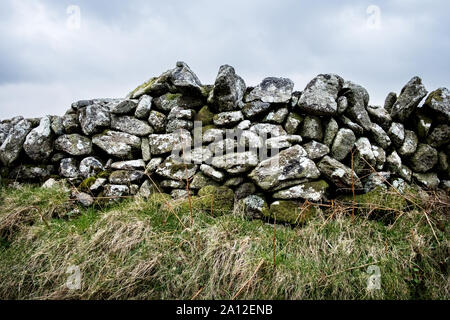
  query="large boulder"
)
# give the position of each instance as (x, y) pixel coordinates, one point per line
(12, 146)
(94, 118)
(358, 100)
(289, 164)
(343, 144)
(272, 90)
(117, 144)
(424, 159)
(74, 144)
(39, 142)
(320, 95)
(439, 136)
(437, 105)
(228, 90)
(342, 176)
(411, 95)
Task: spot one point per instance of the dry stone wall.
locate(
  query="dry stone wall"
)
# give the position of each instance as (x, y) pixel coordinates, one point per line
(259, 145)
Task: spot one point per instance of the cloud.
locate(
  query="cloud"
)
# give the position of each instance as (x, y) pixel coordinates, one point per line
(45, 65)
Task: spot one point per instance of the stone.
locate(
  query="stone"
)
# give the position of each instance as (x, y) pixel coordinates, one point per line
(115, 192)
(380, 157)
(340, 175)
(158, 121)
(153, 164)
(74, 144)
(145, 148)
(181, 113)
(200, 180)
(331, 130)
(253, 206)
(250, 140)
(68, 168)
(55, 184)
(277, 116)
(439, 136)
(390, 101)
(172, 184)
(212, 173)
(117, 144)
(177, 125)
(70, 123)
(144, 107)
(265, 130)
(358, 100)
(342, 104)
(205, 116)
(131, 125)
(212, 135)
(424, 159)
(316, 150)
(254, 109)
(228, 92)
(410, 144)
(356, 128)
(94, 119)
(410, 97)
(5, 128)
(178, 194)
(272, 90)
(233, 182)
(377, 180)
(123, 107)
(126, 177)
(380, 136)
(244, 190)
(290, 212)
(364, 159)
(437, 105)
(146, 190)
(185, 80)
(293, 123)
(311, 191)
(39, 143)
(244, 125)
(228, 118)
(343, 144)
(169, 101)
(282, 142)
(427, 180)
(198, 155)
(394, 163)
(11, 147)
(98, 185)
(129, 165)
(312, 129)
(235, 163)
(380, 116)
(173, 169)
(424, 124)
(289, 164)
(320, 95)
(397, 134)
(90, 167)
(84, 199)
(32, 173)
(217, 200)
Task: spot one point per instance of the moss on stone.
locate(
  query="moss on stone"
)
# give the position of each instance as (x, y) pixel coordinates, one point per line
(291, 212)
(205, 116)
(435, 95)
(172, 96)
(87, 184)
(221, 199)
(143, 87)
(104, 174)
(206, 128)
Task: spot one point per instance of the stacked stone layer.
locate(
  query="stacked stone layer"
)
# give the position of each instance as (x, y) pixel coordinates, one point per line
(266, 143)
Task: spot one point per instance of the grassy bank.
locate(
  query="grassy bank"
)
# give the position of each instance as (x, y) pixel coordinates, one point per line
(157, 249)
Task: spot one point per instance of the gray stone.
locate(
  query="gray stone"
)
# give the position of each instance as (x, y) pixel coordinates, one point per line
(244, 125)
(437, 105)
(364, 159)
(390, 101)
(266, 129)
(427, 180)
(320, 95)
(293, 123)
(342, 104)
(212, 173)
(143, 108)
(439, 136)
(377, 180)
(272, 90)
(411, 95)
(57, 126)
(356, 128)
(287, 165)
(233, 182)
(316, 150)
(228, 90)
(165, 143)
(123, 107)
(380, 115)
(311, 191)
(129, 165)
(380, 157)
(116, 191)
(282, 142)
(146, 190)
(31, 173)
(212, 135)
(358, 100)
(131, 126)
(11, 147)
(178, 194)
(424, 159)
(343, 144)
(94, 119)
(380, 136)
(397, 134)
(410, 144)
(340, 175)
(90, 167)
(173, 169)
(185, 80)
(70, 123)
(97, 186)
(244, 190)
(5, 128)
(200, 181)
(177, 125)
(249, 139)
(253, 207)
(39, 143)
(235, 163)
(228, 118)
(331, 130)
(117, 144)
(68, 168)
(254, 109)
(172, 184)
(74, 144)
(158, 121)
(394, 163)
(197, 155)
(126, 177)
(85, 199)
(153, 165)
(277, 116)
(145, 148)
(312, 129)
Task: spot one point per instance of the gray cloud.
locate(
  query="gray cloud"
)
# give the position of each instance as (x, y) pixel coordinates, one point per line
(45, 66)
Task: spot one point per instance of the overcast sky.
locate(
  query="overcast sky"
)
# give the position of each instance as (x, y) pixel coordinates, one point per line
(47, 62)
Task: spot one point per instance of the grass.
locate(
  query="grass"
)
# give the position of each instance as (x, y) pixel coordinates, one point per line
(150, 249)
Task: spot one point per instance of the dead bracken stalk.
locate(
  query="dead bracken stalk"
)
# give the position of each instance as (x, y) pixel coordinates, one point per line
(247, 283)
